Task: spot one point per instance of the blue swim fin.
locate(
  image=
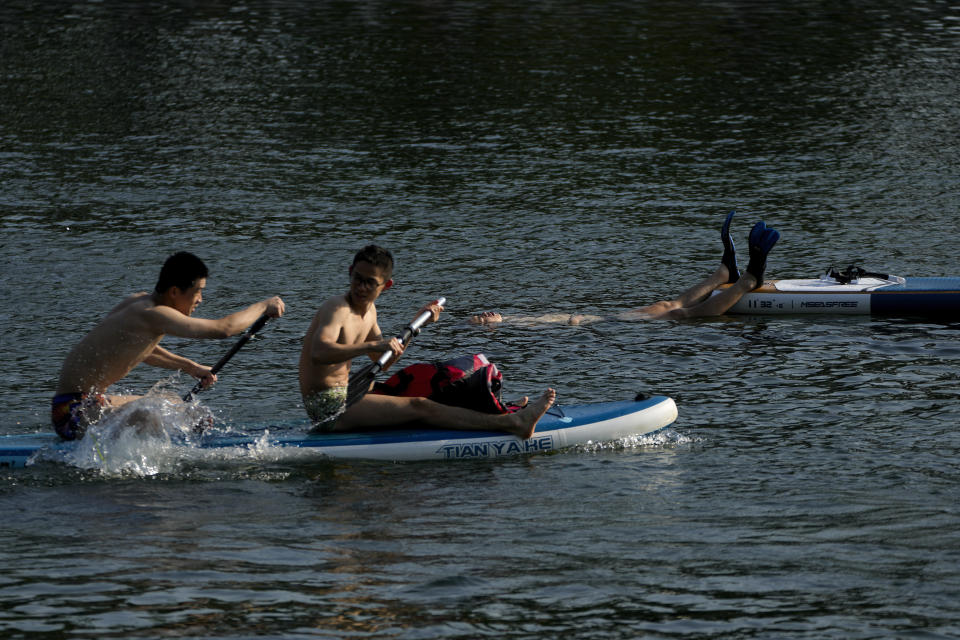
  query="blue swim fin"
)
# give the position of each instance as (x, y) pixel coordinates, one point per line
(762, 240)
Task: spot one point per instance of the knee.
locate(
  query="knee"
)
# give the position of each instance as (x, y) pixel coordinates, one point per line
(664, 306)
(140, 415)
(421, 406)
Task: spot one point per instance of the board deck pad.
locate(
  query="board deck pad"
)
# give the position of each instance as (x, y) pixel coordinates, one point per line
(831, 285)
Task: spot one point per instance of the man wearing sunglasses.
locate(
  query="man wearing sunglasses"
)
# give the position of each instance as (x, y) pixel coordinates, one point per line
(345, 327)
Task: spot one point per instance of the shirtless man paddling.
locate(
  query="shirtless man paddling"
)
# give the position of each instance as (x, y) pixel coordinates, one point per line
(130, 334)
(344, 328)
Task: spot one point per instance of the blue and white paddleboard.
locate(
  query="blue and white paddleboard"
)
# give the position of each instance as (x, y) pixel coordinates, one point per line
(561, 427)
(879, 296)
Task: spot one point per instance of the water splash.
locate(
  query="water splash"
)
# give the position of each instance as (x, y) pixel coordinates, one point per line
(658, 439)
(144, 437)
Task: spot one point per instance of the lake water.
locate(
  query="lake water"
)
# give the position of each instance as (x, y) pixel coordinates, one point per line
(524, 157)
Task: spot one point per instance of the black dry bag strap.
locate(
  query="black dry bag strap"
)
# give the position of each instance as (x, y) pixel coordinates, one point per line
(852, 273)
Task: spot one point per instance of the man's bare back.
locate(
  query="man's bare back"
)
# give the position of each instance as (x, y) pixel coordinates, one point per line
(131, 333)
(122, 340)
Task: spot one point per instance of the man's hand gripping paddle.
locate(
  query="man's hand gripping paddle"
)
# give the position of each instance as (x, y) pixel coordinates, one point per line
(252, 331)
(360, 381)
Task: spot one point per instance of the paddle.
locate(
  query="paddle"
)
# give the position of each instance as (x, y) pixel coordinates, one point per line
(360, 381)
(252, 331)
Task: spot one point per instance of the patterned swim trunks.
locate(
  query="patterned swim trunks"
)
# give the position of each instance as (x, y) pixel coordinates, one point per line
(324, 407)
(72, 413)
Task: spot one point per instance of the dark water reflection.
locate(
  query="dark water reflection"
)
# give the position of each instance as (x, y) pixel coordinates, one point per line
(533, 157)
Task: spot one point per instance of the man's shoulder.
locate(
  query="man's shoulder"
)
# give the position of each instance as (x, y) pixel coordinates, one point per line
(133, 304)
(140, 312)
(334, 305)
(337, 310)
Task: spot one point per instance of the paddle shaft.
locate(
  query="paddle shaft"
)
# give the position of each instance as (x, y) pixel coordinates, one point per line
(412, 329)
(252, 331)
(360, 382)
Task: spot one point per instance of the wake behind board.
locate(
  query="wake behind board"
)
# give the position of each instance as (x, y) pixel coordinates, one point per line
(561, 427)
(877, 296)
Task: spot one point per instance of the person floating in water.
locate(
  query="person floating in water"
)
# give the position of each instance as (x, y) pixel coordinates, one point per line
(130, 334)
(345, 327)
(697, 301)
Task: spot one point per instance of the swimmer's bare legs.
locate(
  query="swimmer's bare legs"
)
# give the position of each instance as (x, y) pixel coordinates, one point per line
(702, 290)
(689, 298)
(718, 304)
(697, 301)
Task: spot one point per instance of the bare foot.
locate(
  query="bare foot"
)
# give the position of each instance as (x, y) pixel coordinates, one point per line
(524, 422)
(487, 317)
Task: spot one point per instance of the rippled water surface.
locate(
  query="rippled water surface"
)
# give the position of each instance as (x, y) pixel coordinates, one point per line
(525, 157)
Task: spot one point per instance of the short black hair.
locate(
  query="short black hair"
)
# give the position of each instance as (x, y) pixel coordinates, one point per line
(181, 270)
(377, 256)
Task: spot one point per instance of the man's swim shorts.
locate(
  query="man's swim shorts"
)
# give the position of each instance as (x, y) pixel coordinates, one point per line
(72, 413)
(324, 407)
